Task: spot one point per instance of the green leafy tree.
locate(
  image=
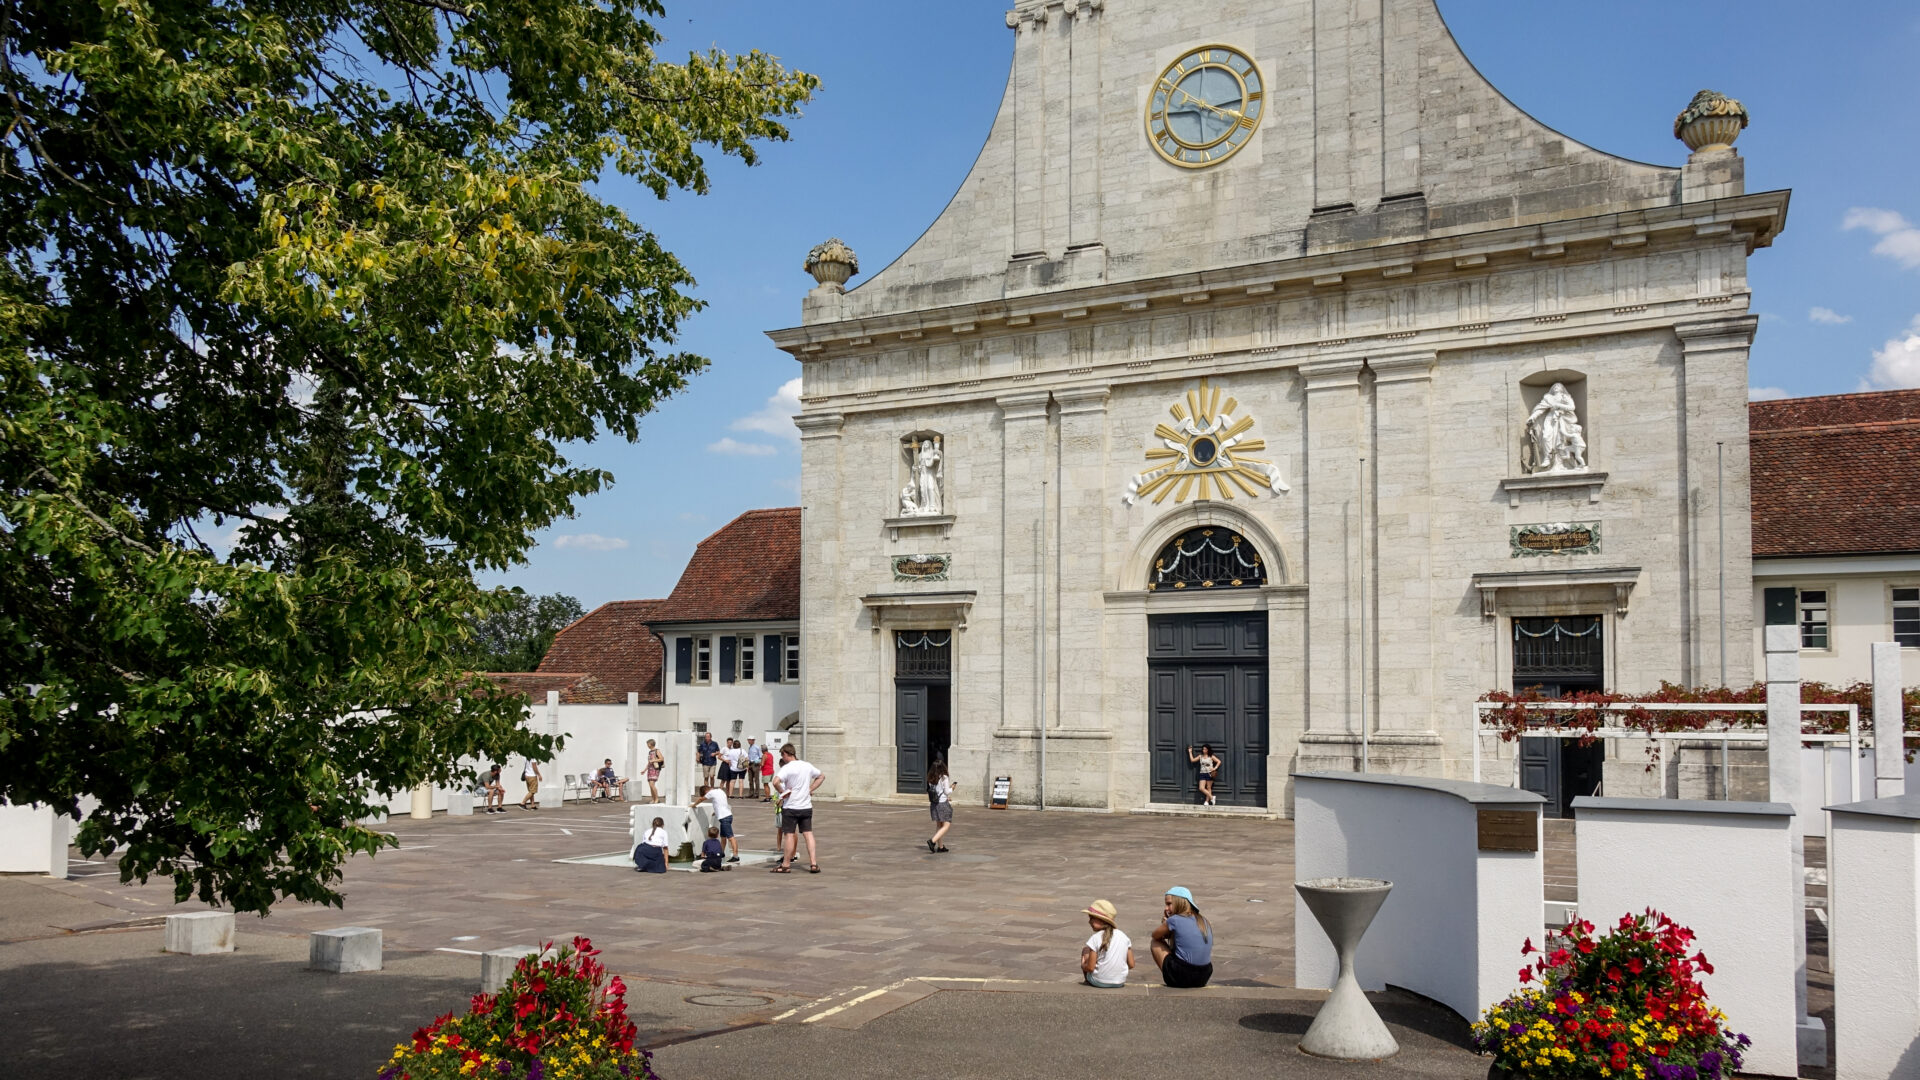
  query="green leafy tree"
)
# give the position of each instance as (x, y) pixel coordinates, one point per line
(300, 303)
(516, 636)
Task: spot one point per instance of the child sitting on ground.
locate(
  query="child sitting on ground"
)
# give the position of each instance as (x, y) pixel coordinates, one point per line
(711, 852)
(1108, 954)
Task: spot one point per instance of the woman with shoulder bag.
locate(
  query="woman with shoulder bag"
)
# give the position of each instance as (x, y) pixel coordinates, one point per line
(940, 803)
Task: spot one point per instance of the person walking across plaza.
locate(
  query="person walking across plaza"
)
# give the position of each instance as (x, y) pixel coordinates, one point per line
(722, 811)
(531, 774)
(650, 855)
(796, 782)
(1182, 944)
(756, 756)
(1108, 955)
(1209, 771)
(655, 762)
(709, 757)
(939, 803)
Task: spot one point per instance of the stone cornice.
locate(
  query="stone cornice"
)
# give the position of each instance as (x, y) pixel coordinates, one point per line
(1754, 219)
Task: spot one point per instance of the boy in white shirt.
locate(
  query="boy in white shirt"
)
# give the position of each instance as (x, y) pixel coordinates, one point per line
(1108, 955)
(722, 809)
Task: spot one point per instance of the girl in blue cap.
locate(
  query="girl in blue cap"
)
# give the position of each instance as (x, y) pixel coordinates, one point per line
(1182, 944)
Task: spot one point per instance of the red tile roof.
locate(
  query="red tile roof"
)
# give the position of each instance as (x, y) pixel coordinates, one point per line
(576, 688)
(1836, 475)
(613, 644)
(748, 571)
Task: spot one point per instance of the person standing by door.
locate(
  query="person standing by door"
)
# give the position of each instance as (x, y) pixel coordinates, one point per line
(709, 757)
(1209, 771)
(940, 800)
(796, 782)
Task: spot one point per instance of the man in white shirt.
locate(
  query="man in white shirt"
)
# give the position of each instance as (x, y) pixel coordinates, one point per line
(722, 811)
(737, 762)
(796, 782)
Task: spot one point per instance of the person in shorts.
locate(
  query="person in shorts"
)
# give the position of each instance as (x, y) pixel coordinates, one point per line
(796, 781)
(939, 803)
(709, 757)
(496, 789)
(608, 784)
(1183, 942)
(756, 755)
(722, 811)
(1108, 955)
(767, 762)
(531, 774)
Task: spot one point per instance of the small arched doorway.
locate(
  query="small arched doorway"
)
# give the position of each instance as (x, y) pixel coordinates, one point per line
(1207, 670)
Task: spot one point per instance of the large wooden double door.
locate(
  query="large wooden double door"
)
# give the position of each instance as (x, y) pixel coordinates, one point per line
(1207, 683)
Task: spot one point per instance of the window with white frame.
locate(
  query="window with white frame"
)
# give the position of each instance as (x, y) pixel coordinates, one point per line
(1906, 616)
(702, 659)
(793, 657)
(746, 658)
(1814, 619)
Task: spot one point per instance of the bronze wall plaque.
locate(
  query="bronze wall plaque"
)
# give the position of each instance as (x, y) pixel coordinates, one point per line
(1509, 830)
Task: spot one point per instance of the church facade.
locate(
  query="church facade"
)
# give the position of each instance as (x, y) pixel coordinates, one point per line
(1271, 384)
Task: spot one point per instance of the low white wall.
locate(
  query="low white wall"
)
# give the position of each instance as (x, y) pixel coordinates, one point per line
(1724, 869)
(1874, 938)
(1453, 926)
(33, 840)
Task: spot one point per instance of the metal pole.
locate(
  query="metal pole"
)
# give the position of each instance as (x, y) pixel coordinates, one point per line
(1365, 763)
(1720, 547)
(1040, 636)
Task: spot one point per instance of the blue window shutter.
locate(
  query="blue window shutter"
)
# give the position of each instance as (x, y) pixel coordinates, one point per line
(683, 660)
(773, 660)
(727, 647)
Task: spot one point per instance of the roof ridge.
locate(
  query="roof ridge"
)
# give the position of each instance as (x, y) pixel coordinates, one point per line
(1860, 425)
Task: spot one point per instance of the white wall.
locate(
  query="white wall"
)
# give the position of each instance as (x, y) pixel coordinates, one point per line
(1724, 869)
(1874, 940)
(1453, 926)
(33, 840)
(758, 705)
(1859, 612)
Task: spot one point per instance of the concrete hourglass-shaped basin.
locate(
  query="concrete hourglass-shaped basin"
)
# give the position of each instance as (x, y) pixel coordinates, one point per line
(1347, 1026)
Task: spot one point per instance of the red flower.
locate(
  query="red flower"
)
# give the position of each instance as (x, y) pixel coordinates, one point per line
(1526, 975)
(1527, 947)
(1636, 965)
(1701, 961)
(1585, 946)
(1558, 957)
(1614, 973)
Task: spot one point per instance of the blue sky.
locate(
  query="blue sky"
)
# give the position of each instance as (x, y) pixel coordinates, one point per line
(910, 88)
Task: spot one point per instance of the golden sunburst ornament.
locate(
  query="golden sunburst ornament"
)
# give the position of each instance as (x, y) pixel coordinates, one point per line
(1204, 450)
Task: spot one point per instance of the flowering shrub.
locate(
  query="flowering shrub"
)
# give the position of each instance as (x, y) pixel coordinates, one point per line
(558, 1018)
(1628, 1004)
(1515, 717)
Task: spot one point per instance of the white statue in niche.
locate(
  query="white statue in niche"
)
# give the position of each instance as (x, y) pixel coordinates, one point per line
(1554, 435)
(921, 496)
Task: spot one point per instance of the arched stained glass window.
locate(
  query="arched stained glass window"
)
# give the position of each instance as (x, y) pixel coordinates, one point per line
(1208, 558)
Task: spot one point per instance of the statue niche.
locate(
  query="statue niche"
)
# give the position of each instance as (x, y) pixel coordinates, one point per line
(924, 461)
(1554, 441)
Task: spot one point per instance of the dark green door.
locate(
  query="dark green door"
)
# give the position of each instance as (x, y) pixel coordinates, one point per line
(1207, 683)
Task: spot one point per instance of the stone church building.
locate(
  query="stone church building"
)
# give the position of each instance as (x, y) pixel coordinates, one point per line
(1272, 383)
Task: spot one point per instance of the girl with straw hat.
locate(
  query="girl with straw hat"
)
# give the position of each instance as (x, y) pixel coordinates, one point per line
(1108, 954)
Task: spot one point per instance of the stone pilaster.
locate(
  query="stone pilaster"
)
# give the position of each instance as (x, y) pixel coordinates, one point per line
(1401, 674)
(1024, 569)
(1346, 103)
(828, 605)
(1083, 210)
(1077, 660)
(1029, 24)
(1334, 446)
(1714, 394)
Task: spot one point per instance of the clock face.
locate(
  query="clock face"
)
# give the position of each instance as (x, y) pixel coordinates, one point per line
(1205, 106)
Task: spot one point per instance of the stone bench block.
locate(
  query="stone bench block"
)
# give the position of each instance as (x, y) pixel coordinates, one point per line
(350, 948)
(496, 965)
(553, 795)
(198, 933)
(460, 802)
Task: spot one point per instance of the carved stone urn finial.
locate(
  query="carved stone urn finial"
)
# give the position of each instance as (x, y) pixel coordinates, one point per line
(832, 263)
(1711, 121)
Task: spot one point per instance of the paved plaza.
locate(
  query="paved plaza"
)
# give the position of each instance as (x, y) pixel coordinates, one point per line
(891, 962)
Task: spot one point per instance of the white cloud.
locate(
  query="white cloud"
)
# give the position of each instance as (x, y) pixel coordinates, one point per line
(1766, 393)
(730, 445)
(776, 416)
(589, 542)
(1896, 365)
(1899, 240)
(1827, 316)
